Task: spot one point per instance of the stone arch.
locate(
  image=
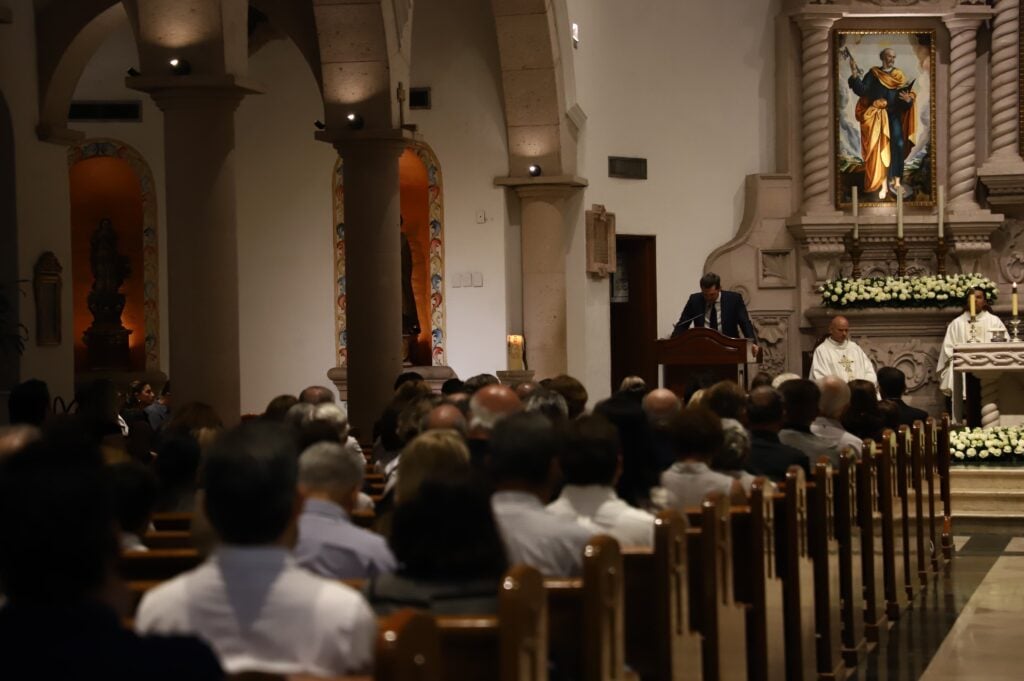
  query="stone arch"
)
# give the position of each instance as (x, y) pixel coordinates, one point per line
(67, 35)
(296, 20)
(150, 236)
(436, 256)
(538, 85)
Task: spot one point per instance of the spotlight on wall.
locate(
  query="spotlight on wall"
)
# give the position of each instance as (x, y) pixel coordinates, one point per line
(355, 121)
(319, 125)
(180, 67)
(535, 170)
(133, 72)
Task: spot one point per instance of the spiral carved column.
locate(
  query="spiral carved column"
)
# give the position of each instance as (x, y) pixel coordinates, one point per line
(989, 401)
(962, 154)
(1005, 124)
(815, 111)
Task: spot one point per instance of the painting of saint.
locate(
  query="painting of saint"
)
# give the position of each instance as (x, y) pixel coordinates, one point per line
(885, 115)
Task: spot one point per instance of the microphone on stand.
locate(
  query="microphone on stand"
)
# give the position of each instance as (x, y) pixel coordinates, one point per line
(685, 322)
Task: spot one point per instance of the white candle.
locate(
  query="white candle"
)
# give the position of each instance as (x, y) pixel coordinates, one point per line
(971, 302)
(515, 353)
(899, 215)
(1013, 299)
(942, 209)
(856, 222)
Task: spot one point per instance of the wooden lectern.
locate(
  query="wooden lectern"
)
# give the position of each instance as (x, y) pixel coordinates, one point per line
(704, 351)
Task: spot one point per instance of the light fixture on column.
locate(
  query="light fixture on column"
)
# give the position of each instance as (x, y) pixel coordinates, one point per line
(355, 121)
(535, 170)
(180, 67)
(319, 125)
(133, 72)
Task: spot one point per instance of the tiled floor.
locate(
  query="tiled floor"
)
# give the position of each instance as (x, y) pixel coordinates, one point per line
(971, 623)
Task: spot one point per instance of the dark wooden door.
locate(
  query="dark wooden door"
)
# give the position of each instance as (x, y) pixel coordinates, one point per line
(634, 310)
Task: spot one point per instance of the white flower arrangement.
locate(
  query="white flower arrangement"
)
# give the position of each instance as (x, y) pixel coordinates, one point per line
(935, 290)
(986, 444)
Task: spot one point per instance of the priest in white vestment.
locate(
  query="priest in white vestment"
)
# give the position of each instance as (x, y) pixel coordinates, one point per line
(839, 356)
(959, 332)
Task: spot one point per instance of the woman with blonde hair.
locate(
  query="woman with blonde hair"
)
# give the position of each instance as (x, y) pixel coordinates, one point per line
(435, 454)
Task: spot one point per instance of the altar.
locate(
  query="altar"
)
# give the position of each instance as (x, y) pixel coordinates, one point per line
(1000, 369)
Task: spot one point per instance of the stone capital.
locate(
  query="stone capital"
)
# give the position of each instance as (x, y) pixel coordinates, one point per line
(811, 22)
(553, 188)
(965, 21)
(193, 91)
(352, 144)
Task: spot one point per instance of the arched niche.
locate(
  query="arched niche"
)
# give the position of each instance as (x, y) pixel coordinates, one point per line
(422, 205)
(110, 179)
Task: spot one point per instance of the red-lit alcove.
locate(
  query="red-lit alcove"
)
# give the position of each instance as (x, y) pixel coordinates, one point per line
(107, 187)
(415, 203)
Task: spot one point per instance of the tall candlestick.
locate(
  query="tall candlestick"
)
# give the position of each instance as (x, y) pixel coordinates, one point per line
(1013, 300)
(899, 214)
(971, 303)
(856, 222)
(942, 209)
(515, 353)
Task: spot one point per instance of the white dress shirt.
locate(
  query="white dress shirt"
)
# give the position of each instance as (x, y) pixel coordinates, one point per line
(259, 611)
(688, 483)
(331, 545)
(833, 431)
(601, 511)
(535, 536)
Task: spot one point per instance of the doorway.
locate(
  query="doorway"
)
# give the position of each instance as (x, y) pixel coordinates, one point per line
(634, 310)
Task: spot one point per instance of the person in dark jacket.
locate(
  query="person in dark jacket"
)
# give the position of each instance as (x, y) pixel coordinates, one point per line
(765, 415)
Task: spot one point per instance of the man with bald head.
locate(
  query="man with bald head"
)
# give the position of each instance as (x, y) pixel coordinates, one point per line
(445, 417)
(488, 407)
(839, 356)
(661, 405)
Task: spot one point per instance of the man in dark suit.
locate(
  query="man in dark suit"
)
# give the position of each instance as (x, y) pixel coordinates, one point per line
(714, 308)
(768, 456)
(892, 384)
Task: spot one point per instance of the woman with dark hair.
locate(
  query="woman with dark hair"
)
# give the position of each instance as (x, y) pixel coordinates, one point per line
(862, 418)
(450, 554)
(639, 467)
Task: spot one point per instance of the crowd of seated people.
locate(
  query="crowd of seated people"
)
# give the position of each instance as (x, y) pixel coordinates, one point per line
(465, 483)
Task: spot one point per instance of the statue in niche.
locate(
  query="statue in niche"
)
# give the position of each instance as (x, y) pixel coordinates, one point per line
(410, 318)
(106, 338)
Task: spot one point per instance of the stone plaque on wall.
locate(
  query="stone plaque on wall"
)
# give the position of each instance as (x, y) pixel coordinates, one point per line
(776, 268)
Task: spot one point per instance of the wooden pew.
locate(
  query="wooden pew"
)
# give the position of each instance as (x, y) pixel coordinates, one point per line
(168, 539)
(660, 644)
(586, 636)
(942, 470)
(917, 505)
(870, 519)
(511, 646)
(908, 566)
(823, 547)
(892, 528)
(928, 488)
(157, 565)
(407, 649)
(172, 521)
(851, 572)
(715, 613)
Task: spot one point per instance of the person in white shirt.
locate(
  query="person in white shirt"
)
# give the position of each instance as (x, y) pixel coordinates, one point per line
(834, 401)
(697, 436)
(250, 600)
(837, 355)
(959, 332)
(591, 463)
(522, 464)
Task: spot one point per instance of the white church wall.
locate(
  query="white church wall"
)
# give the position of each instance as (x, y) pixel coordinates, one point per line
(285, 232)
(454, 52)
(690, 87)
(41, 196)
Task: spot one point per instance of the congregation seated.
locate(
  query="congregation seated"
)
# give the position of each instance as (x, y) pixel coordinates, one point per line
(591, 463)
(250, 600)
(862, 418)
(62, 615)
(573, 391)
(834, 401)
(892, 385)
(17, 437)
(198, 419)
(769, 456)
(450, 553)
(177, 469)
(135, 491)
(640, 466)
(549, 403)
(278, 407)
(802, 398)
(487, 407)
(445, 416)
(316, 394)
(329, 544)
(386, 441)
(697, 435)
(733, 457)
(660, 406)
(522, 464)
(761, 378)
(727, 399)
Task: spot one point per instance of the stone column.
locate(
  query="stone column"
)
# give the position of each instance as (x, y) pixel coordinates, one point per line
(816, 112)
(545, 231)
(1003, 170)
(202, 244)
(373, 273)
(962, 159)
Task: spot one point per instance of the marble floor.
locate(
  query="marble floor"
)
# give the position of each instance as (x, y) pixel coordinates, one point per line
(971, 625)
